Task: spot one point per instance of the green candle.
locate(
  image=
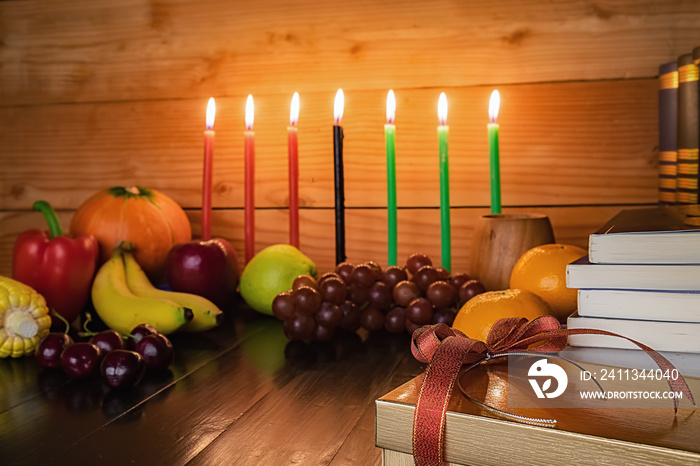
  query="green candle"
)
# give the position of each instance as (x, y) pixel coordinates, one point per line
(443, 131)
(493, 153)
(390, 137)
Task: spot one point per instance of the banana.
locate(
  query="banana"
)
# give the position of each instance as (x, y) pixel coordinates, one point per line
(122, 310)
(206, 314)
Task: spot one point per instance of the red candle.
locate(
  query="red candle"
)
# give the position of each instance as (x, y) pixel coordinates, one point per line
(207, 171)
(249, 195)
(293, 149)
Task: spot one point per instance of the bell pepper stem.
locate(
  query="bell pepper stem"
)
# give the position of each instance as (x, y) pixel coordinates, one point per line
(50, 216)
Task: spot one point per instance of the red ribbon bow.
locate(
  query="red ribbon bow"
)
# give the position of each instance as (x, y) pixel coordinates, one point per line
(446, 350)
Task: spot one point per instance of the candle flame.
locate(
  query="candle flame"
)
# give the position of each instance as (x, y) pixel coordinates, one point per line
(294, 113)
(493, 106)
(249, 112)
(442, 109)
(390, 106)
(211, 113)
(338, 107)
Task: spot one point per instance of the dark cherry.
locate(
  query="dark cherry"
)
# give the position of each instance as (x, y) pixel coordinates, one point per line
(107, 341)
(48, 351)
(122, 368)
(157, 351)
(139, 332)
(80, 360)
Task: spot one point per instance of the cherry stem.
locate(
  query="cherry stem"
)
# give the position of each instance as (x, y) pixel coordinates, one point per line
(62, 319)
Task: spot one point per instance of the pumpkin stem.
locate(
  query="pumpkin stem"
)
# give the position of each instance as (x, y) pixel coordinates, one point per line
(50, 216)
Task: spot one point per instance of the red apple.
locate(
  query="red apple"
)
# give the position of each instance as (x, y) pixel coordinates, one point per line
(206, 268)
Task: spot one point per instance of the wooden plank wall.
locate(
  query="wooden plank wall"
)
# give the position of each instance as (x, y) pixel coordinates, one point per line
(102, 92)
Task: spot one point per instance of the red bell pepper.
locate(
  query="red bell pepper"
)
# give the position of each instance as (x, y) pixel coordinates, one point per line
(60, 268)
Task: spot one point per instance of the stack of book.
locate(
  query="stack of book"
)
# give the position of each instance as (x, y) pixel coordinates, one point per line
(641, 279)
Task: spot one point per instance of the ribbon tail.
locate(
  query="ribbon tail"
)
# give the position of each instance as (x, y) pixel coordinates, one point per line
(434, 396)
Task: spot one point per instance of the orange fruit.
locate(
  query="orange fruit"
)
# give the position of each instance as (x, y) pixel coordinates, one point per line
(479, 314)
(542, 270)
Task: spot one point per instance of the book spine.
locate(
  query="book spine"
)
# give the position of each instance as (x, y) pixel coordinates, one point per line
(688, 131)
(668, 118)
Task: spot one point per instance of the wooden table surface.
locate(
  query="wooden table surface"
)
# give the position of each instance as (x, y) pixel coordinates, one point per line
(238, 394)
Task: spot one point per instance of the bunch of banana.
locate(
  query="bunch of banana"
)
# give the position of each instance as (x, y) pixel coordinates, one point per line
(124, 297)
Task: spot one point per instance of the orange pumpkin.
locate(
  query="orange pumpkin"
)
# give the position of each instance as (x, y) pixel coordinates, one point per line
(146, 217)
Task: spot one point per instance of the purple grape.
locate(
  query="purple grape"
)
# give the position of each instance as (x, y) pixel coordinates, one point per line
(444, 316)
(364, 276)
(425, 276)
(304, 280)
(283, 305)
(470, 289)
(441, 294)
(351, 316)
(334, 290)
(323, 333)
(395, 320)
(417, 260)
(344, 270)
(299, 327)
(371, 319)
(329, 315)
(306, 300)
(393, 275)
(380, 296)
(358, 294)
(326, 276)
(458, 280)
(420, 311)
(405, 292)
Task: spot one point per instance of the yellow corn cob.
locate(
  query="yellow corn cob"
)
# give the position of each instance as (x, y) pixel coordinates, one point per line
(24, 318)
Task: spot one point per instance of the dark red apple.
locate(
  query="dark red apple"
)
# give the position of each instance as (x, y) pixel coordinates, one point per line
(206, 268)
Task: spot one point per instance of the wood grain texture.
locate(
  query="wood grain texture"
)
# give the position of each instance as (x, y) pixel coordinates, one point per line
(366, 231)
(565, 143)
(104, 50)
(222, 385)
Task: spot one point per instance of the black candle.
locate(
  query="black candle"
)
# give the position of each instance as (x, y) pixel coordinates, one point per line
(339, 179)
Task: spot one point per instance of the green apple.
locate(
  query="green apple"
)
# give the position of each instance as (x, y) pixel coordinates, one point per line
(271, 272)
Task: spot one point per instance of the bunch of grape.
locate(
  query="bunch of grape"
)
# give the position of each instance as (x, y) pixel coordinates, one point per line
(397, 299)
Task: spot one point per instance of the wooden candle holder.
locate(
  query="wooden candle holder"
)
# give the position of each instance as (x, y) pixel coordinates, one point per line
(499, 241)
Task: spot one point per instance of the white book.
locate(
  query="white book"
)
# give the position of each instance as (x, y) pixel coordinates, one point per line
(674, 306)
(683, 337)
(657, 235)
(583, 274)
